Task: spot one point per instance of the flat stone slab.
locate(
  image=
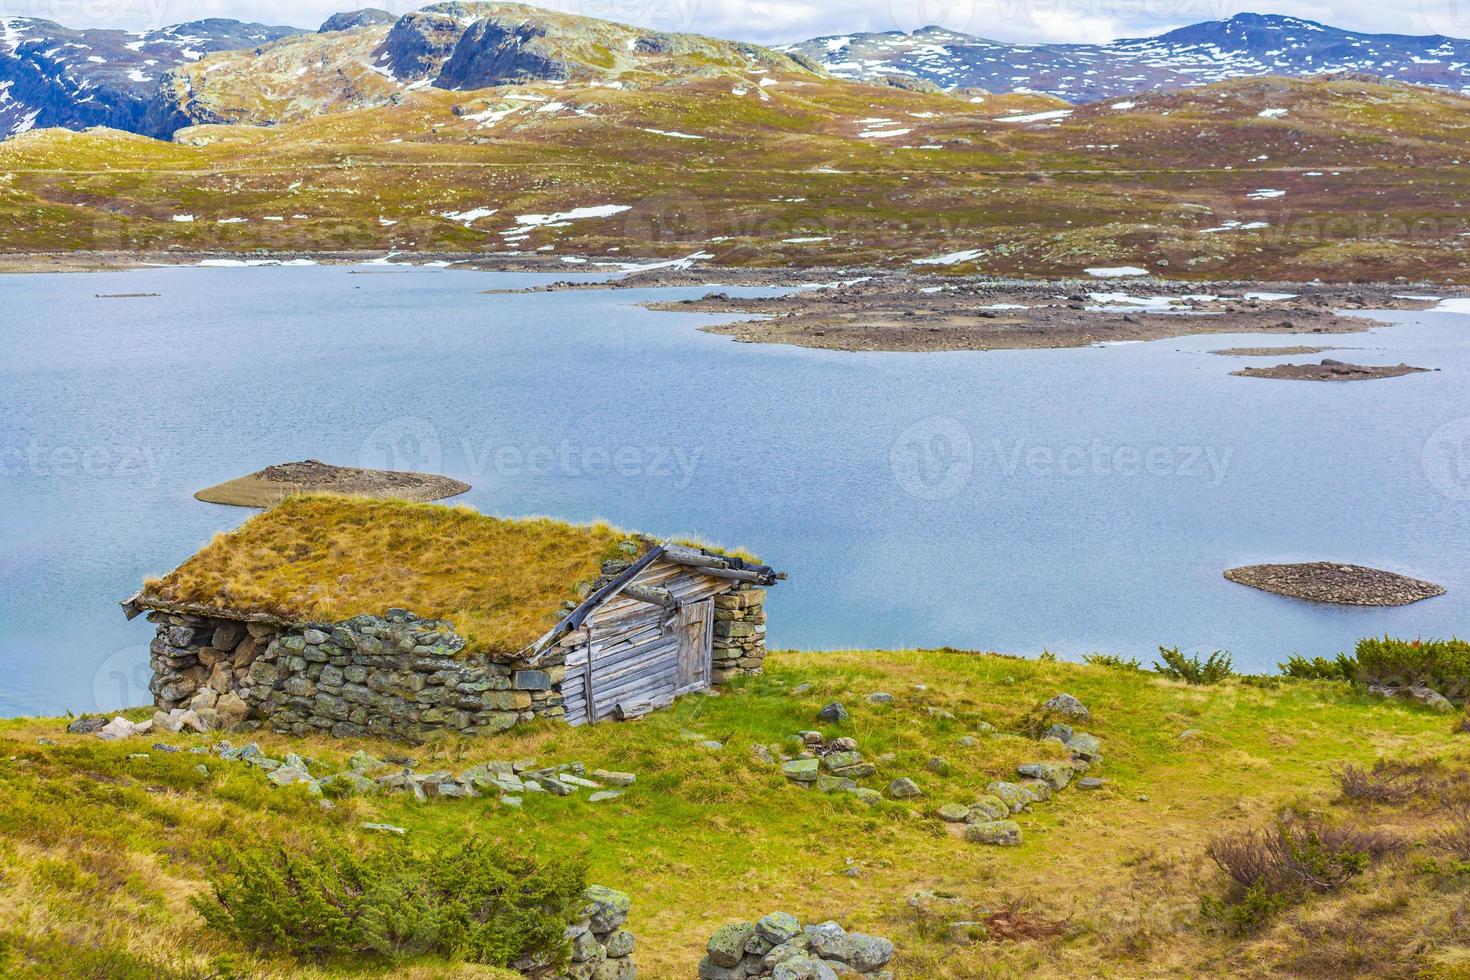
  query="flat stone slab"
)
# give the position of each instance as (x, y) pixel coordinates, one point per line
(1328, 370)
(271, 485)
(1324, 581)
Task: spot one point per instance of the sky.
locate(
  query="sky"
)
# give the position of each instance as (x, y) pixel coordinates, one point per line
(776, 21)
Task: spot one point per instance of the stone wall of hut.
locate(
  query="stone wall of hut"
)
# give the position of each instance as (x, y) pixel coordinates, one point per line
(740, 633)
(396, 676)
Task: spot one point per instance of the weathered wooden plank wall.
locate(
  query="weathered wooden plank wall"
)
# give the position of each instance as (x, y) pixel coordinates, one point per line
(634, 650)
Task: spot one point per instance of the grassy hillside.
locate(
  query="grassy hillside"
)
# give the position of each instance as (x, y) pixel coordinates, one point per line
(1342, 179)
(102, 850)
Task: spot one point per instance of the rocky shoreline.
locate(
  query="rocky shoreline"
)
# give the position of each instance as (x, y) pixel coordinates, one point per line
(869, 309)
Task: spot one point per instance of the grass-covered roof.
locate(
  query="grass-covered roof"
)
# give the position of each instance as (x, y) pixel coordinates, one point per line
(319, 558)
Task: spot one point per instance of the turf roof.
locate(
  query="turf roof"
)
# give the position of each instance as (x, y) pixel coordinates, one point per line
(320, 558)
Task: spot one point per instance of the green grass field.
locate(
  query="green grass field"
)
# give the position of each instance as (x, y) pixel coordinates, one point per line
(100, 852)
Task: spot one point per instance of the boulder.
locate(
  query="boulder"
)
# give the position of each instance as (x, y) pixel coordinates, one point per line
(1057, 774)
(953, 813)
(861, 952)
(1068, 707)
(1004, 833)
(726, 947)
(904, 788)
(833, 712)
(87, 726)
(1038, 788)
(1085, 746)
(1418, 693)
(1013, 796)
(990, 807)
(231, 711)
(120, 727)
(778, 927)
(606, 909)
(802, 770)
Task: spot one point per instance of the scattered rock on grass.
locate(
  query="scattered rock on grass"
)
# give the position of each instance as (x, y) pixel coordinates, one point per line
(904, 788)
(87, 726)
(834, 712)
(1419, 693)
(1068, 707)
(1091, 782)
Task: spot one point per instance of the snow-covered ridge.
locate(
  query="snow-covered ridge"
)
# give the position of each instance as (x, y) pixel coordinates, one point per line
(1247, 45)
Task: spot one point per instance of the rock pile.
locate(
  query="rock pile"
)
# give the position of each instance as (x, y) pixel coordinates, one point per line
(829, 765)
(601, 948)
(510, 782)
(779, 946)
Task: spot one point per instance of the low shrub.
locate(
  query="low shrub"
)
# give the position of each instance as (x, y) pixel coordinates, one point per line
(1388, 782)
(1278, 866)
(1454, 840)
(471, 900)
(1443, 665)
(1178, 667)
(1341, 668)
(1112, 660)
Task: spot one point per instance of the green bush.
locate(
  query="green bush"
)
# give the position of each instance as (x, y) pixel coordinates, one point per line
(1443, 665)
(470, 900)
(1178, 667)
(1342, 668)
(1274, 867)
(1112, 660)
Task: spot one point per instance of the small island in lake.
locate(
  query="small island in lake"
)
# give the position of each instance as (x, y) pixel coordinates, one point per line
(1325, 581)
(274, 483)
(1329, 370)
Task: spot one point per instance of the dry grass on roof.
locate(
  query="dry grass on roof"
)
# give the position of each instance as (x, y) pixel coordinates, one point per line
(328, 558)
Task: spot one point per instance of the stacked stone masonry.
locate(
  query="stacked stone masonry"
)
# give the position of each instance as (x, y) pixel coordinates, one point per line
(740, 633)
(396, 676)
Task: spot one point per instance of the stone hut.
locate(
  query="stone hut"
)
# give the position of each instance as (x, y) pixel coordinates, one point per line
(360, 617)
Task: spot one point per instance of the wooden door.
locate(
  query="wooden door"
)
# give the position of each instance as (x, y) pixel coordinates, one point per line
(696, 627)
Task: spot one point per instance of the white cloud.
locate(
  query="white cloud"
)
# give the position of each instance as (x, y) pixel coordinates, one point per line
(776, 21)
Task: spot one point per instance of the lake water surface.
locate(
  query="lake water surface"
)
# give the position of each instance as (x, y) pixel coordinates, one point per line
(1072, 500)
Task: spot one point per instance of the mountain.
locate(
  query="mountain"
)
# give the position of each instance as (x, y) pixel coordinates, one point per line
(1243, 46)
(51, 75)
(223, 71)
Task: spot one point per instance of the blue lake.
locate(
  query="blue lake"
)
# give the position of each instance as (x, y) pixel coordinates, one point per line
(1073, 500)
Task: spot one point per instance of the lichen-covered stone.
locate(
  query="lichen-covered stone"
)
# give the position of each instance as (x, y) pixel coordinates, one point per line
(1004, 833)
(727, 946)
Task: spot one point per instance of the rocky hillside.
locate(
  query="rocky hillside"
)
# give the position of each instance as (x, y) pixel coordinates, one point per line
(222, 71)
(1269, 178)
(1244, 46)
(454, 46)
(51, 75)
